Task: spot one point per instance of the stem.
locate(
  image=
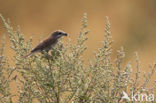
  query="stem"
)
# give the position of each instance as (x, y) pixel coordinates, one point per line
(53, 87)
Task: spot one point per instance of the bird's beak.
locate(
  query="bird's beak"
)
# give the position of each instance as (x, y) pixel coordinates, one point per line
(65, 34)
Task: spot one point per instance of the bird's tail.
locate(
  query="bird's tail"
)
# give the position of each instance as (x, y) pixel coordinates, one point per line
(27, 55)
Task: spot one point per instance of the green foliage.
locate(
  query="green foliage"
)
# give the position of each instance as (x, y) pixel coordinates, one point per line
(62, 76)
(5, 74)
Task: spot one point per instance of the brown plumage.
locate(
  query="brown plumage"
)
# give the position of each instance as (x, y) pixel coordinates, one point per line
(48, 43)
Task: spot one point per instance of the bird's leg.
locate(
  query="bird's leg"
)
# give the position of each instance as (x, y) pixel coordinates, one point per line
(47, 51)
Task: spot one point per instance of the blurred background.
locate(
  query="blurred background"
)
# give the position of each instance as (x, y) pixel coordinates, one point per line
(133, 23)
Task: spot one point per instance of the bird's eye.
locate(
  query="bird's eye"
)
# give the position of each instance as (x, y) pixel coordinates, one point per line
(60, 33)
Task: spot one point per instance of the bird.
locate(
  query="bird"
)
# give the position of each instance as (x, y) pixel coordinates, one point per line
(48, 43)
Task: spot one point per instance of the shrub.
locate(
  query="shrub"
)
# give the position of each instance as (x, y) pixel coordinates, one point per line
(62, 76)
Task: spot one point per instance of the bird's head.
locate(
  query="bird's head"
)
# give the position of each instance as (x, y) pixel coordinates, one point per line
(58, 34)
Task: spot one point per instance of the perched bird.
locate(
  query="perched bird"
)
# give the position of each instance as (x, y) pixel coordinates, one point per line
(48, 43)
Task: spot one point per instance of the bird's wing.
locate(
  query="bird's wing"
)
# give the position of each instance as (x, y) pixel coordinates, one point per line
(40, 46)
(44, 44)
